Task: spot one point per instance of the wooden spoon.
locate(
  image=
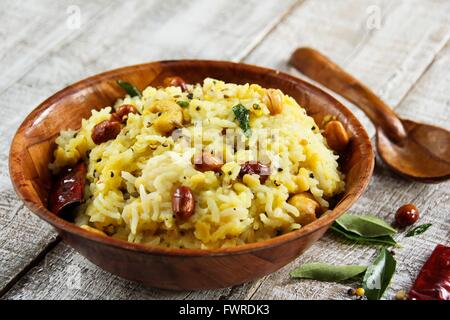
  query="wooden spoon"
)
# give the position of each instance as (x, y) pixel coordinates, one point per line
(414, 150)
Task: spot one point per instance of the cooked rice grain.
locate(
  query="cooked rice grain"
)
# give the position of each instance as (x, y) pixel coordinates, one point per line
(131, 178)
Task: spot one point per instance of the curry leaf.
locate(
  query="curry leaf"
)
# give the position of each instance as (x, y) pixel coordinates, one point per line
(365, 226)
(384, 240)
(418, 230)
(378, 275)
(242, 115)
(327, 272)
(129, 88)
(183, 104)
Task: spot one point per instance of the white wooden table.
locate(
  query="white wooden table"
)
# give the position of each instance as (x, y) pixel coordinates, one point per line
(400, 48)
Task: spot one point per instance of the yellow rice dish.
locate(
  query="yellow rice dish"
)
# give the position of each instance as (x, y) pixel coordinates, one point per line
(132, 179)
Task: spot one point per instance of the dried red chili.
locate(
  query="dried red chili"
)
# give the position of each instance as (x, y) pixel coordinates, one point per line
(433, 281)
(68, 188)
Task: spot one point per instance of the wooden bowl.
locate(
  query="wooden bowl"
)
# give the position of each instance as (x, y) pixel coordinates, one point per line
(179, 269)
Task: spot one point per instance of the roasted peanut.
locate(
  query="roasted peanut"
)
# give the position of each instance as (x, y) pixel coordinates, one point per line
(407, 215)
(274, 98)
(122, 112)
(183, 203)
(336, 135)
(207, 162)
(255, 168)
(105, 130)
(175, 82)
(171, 116)
(306, 206)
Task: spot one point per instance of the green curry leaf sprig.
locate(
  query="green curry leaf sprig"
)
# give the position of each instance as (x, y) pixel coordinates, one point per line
(183, 104)
(418, 230)
(129, 88)
(242, 114)
(378, 275)
(365, 229)
(375, 278)
(327, 272)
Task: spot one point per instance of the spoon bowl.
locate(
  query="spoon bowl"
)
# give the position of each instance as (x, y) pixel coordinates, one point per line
(423, 156)
(414, 150)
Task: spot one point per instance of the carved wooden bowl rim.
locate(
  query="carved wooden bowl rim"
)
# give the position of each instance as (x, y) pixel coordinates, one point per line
(25, 190)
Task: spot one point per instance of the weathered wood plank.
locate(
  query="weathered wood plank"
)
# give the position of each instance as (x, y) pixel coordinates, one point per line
(142, 31)
(29, 30)
(429, 99)
(64, 268)
(389, 59)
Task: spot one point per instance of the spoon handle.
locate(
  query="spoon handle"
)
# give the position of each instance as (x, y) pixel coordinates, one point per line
(321, 69)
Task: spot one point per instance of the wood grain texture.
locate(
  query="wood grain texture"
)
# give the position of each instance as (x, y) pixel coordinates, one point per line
(316, 66)
(173, 268)
(23, 46)
(30, 30)
(399, 142)
(390, 61)
(389, 65)
(56, 56)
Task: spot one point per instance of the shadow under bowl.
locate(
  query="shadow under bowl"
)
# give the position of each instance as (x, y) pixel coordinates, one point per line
(178, 269)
